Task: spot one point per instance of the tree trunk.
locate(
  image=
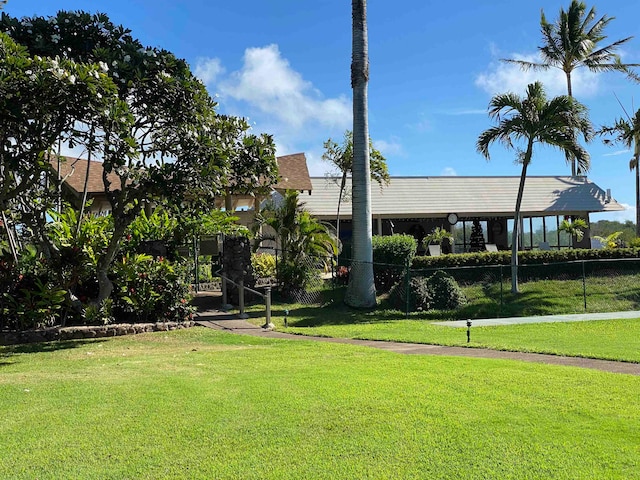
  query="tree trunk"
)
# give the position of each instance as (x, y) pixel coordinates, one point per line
(637, 195)
(342, 185)
(361, 290)
(516, 221)
(104, 262)
(574, 163)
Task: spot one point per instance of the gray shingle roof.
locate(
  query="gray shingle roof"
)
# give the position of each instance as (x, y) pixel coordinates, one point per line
(467, 196)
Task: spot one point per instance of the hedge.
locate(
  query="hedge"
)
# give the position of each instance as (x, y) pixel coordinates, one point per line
(532, 257)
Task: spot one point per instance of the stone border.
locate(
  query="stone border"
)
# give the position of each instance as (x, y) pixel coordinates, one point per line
(82, 332)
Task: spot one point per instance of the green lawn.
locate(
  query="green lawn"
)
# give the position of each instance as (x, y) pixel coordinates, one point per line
(607, 339)
(203, 404)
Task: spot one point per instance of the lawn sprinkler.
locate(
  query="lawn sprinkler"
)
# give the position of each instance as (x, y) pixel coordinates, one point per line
(468, 331)
(286, 323)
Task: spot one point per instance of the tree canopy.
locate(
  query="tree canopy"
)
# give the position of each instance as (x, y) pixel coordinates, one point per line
(162, 137)
(529, 120)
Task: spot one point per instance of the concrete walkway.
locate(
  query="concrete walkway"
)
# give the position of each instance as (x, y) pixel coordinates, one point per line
(229, 322)
(577, 317)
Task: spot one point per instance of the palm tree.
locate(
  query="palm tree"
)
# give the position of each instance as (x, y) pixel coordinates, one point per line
(341, 157)
(627, 132)
(361, 291)
(573, 41)
(304, 241)
(534, 119)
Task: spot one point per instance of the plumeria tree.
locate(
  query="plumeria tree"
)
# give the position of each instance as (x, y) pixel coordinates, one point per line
(35, 112)
(176, 146)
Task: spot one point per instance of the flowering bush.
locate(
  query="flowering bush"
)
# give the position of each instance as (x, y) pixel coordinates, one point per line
(148, 289)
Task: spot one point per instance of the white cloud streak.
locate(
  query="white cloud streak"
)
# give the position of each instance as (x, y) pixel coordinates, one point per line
(502, 77)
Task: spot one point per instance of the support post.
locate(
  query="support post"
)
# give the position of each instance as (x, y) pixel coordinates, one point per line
(241, 299)
(225, 295)
(267, 301)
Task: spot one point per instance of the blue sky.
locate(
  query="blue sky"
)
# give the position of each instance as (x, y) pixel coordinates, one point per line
(286, 65)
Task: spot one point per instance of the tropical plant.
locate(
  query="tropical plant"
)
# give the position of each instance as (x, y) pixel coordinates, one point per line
(574, 41)
(341, 157)
(575, 228)
(437, 236)
(534, 119)
(627, 133)
(361, 291)
(610, 241)
(304, 241)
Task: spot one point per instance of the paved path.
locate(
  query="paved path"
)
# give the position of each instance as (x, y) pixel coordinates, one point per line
(577, 317)
(231, 323)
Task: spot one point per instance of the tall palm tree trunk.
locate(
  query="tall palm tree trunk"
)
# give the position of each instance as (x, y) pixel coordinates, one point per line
(343, 183)
(637, 158)
(516, 220)
(361, 290)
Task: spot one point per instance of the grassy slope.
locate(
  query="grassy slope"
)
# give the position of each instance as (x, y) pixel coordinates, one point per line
(203, 404)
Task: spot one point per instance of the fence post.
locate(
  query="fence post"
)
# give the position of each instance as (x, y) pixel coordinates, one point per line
(584, 287)
(225, 297)
(267, 301)
(407, 287)
(501, 288)
(241, 299)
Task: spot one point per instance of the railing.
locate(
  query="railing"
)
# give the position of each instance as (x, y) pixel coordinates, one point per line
(241, 305)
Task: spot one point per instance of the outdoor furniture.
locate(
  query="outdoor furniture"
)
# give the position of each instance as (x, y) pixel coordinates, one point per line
(434, 250)
(544, 246)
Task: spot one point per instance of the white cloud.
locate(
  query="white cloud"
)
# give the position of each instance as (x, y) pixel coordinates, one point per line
(268, 83)
(616, 153)
(392, 147)
(629, 213)
(449, 172)
(502, 77)
(208, 69)
(470, 111)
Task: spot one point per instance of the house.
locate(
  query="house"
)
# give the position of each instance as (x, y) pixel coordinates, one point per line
(416, 205)
(412, 205)
(292, 170)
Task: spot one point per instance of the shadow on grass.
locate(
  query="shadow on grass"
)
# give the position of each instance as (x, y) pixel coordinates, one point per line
(8, 350)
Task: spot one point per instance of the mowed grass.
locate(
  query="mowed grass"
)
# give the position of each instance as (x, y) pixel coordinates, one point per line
(607, 339)
(203, 404)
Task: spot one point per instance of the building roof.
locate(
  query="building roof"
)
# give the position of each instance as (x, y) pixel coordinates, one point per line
(293, 173)
(292, 169)
(74, 171)
(433, 197)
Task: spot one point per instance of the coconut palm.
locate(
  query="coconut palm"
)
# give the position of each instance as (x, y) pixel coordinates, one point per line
(534, 119)
(361, 291)
(574, 41)
(627, 132)
(341, 157)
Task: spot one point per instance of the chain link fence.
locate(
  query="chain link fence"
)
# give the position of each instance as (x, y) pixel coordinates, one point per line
(563, 287)
(300, 278)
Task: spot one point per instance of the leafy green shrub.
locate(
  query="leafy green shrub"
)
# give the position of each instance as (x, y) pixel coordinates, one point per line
(264, 265)
(391, 255)
(445, 292)
(148, 289)
(439, 291)
(296, 277)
